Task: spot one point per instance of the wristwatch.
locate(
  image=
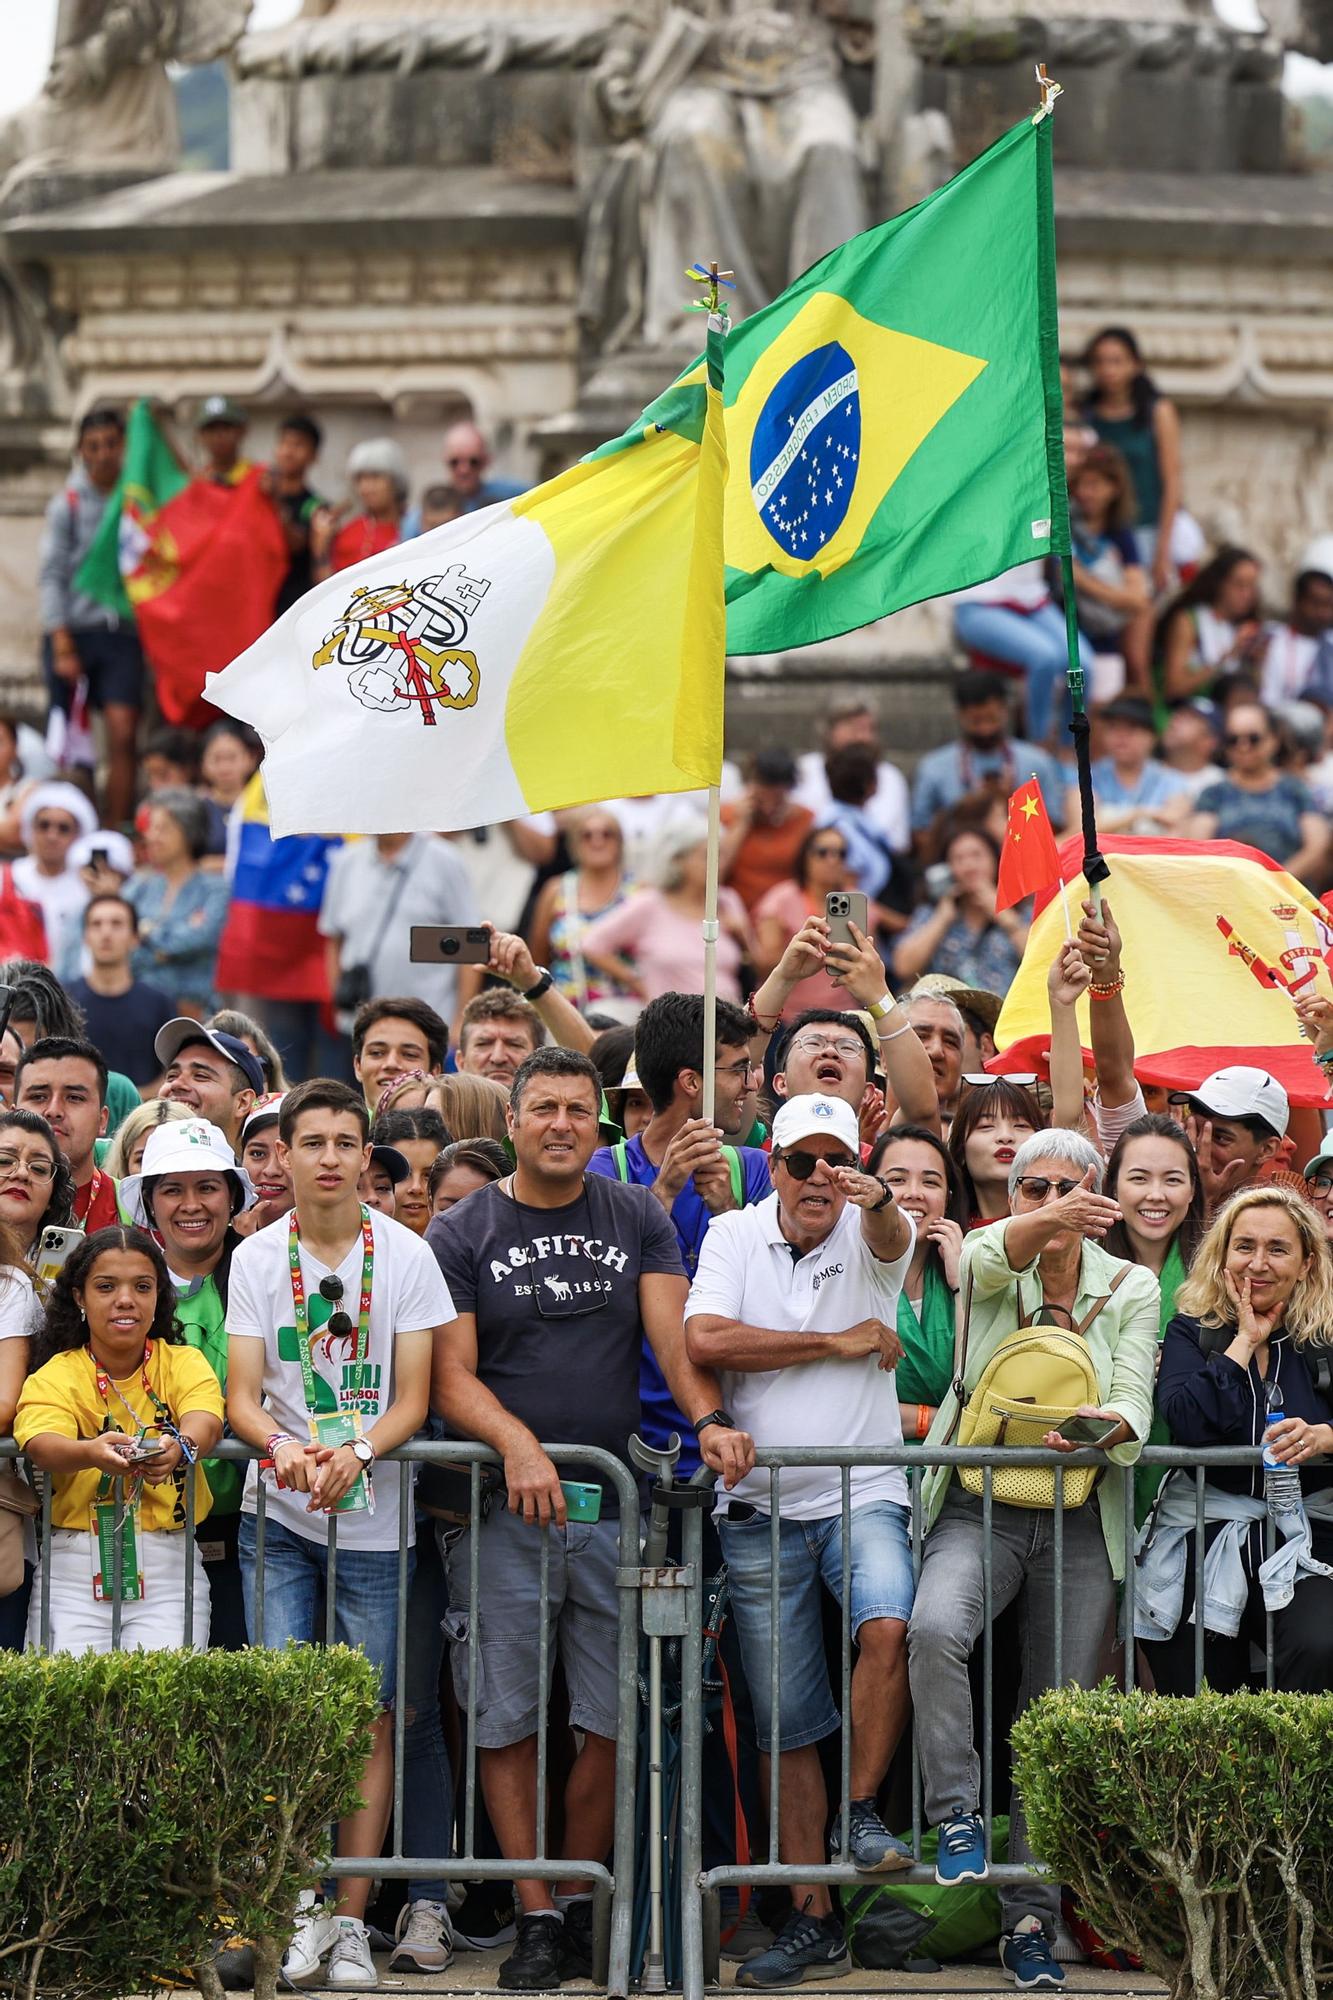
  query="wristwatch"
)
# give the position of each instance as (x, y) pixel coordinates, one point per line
(714, 1417)
(364, 1450)
(884, 1199)
(544, 984)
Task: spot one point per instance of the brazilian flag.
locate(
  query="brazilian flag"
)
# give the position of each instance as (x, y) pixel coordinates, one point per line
(893, 419)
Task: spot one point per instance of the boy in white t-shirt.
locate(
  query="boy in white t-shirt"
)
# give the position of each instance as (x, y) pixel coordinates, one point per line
(331, 1316)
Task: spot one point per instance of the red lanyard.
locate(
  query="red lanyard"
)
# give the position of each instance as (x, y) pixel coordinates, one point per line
(106, 1388)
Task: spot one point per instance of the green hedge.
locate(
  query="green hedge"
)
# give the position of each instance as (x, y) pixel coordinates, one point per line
(1198, 1833)
(148, 1798)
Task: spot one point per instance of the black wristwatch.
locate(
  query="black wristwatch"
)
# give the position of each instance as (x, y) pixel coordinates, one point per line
(714, 1417)
(544, 984)
(884, 1199)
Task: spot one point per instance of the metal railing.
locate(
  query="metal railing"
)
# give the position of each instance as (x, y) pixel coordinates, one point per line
(701, 1895)
(613, 1886)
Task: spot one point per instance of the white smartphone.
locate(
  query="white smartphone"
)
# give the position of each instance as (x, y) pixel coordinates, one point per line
(54, 1247)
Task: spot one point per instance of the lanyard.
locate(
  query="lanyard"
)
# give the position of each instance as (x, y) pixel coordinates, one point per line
(95, 1186)
(106, 1389)
(302, 1316)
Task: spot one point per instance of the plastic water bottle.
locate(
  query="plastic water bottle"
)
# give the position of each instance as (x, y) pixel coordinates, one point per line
(1282, 1483)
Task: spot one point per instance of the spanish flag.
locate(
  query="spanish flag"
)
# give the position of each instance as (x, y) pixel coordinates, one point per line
(1200, 993)
(562, 647)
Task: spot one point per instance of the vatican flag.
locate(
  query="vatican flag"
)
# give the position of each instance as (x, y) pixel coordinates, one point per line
(554, 649)
(893, 420)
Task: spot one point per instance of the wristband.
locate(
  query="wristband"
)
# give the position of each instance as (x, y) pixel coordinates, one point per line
(1107, 991)
(922, 1420)
(879, 1010)
(894, 1033)
(279, 1438)
(189, 1449)
(764, 1027)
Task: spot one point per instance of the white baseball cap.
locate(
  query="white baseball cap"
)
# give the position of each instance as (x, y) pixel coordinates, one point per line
(812, 1117)
(1241, 1092)
(186, 1146)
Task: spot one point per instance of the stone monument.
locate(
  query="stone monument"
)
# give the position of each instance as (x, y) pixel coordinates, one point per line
(440, 207)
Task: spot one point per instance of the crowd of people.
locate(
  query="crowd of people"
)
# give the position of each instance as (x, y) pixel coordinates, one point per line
(290, 1185)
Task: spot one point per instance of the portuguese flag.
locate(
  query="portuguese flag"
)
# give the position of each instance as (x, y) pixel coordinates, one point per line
(199, 563)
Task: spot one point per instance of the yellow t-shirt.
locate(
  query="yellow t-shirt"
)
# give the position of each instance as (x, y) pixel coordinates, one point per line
(63, 1399)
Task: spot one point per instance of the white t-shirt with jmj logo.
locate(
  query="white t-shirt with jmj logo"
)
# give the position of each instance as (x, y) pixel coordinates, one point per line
(407, 1295)
(747, 1272)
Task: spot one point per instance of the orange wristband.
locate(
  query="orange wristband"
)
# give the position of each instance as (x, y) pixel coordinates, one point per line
(923, 1420)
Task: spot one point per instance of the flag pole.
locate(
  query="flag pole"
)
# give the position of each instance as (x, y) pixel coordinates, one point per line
(1095, 870)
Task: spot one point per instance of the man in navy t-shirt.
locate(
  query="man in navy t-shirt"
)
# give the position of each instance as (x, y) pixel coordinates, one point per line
(695, 1169)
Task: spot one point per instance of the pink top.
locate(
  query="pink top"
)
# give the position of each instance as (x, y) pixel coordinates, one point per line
(789, 905)
(667, 949)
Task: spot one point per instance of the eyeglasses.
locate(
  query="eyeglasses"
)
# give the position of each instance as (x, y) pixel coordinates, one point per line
(822, 1045)
(1248, 738)
(1025, 1079)
(35, 1168)
(1036, 1186)
(801, 1165)
(1320, 1184)
(829, 853)
(746, 1068)
(475, 463)
(340, 1323)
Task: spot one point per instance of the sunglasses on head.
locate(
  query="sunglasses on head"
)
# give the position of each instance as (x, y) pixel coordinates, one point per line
(1036, 1186)
(801, 1165)
(1025, 1079)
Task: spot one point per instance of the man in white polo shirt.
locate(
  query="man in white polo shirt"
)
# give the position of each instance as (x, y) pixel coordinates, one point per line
(794, 1304)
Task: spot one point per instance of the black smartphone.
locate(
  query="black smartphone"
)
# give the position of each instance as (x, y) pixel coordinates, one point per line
(1087, 1430)
(450, 944)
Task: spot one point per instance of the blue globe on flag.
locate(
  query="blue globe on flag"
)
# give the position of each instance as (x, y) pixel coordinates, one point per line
(805, 451)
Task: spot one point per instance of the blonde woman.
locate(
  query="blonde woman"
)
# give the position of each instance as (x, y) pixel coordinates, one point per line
(125, 1153)
(1238, 1352)
(472, 1107)
(568, 903)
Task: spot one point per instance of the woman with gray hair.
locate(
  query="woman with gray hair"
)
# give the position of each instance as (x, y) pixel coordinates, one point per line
(1057, 1345)
(180, 906)
(652, 943)
(377, 474)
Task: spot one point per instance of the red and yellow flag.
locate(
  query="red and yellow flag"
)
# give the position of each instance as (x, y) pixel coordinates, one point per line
(1029, 861)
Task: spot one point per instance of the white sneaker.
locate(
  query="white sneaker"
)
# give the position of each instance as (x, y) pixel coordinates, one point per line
(312, 1940)
(425, 1938)
(351, 1967)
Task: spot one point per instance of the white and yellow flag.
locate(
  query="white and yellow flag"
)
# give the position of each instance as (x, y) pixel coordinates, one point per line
(562, 647)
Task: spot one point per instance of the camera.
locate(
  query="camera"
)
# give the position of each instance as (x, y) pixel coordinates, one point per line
(939, 881)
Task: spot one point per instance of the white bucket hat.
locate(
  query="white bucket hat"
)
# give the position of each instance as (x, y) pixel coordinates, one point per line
(186, 1146)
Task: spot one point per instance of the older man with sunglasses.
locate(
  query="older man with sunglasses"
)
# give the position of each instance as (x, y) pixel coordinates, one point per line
(794, 1303)
(558, 1275)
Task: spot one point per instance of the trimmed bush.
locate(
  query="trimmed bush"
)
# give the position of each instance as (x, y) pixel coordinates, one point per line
(148, 1798)
(1195, 1832)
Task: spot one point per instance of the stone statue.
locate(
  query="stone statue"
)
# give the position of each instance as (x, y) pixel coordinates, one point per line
(107, 105)
(732, 135)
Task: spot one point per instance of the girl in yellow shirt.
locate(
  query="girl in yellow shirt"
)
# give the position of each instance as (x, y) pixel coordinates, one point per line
(118, 1414)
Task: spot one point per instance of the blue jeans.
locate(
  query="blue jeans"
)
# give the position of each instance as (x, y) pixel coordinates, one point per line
(809, 1559)
(428, 1780)
(1034, 641)
(365, 1597)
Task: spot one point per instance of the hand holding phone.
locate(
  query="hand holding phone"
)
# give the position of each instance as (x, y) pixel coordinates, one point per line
(1087, 1430)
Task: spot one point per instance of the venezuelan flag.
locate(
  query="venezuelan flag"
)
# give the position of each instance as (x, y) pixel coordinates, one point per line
(270, 944)
(893, 419)
(561, 647)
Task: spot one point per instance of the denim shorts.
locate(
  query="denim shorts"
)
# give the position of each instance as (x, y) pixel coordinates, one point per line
(582, 1620)
(365, 1611)
(810, 1559)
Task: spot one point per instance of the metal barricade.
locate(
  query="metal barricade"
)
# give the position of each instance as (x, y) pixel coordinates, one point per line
(701, 1891)
(613, 1886)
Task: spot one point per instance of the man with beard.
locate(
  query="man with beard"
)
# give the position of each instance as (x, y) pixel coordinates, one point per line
(983, 758)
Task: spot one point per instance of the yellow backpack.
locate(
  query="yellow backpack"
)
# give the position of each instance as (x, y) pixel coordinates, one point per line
(1036, 1379)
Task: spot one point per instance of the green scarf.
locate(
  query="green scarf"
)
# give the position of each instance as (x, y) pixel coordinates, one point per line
(926, 1369)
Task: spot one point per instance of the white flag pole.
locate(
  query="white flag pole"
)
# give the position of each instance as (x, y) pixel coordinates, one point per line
(710, 931)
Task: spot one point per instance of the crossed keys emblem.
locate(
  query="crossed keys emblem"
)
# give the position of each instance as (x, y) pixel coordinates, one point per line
(402, 643)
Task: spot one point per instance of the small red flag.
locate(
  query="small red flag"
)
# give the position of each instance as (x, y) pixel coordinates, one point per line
(1029, 862)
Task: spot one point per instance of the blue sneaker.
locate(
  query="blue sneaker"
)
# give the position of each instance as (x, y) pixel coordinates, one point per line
(871, 1848)
(962, 1851)
(805, 1948)
(1026, 1955)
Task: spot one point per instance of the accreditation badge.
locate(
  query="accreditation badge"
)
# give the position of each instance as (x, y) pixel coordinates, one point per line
(104, 1531)
(340, 1427)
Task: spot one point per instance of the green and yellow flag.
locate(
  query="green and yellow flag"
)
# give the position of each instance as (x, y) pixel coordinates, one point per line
(888, 417)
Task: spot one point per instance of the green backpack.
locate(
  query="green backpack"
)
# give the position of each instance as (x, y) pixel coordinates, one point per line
(963, 1918)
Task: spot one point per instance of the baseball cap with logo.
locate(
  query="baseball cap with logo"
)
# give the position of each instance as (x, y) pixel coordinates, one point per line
(186, 1146)
(220, 410)
(178, 1034)
(812, 1117)
(1242, 1092)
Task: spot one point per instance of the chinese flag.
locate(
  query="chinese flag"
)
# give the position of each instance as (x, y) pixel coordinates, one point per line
(1029, 862)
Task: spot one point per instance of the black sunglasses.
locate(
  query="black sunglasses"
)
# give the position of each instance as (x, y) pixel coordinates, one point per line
(340, 1324)
(801, 1165)
(1036, 1186)
(1251, 737)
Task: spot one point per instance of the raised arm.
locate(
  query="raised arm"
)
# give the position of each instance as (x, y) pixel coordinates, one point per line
(1066, 983)
(1112, 1036)
(511, 959)
(907, 1070)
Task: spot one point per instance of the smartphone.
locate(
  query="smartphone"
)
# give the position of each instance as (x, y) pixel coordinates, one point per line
(450, 944)
(582, 1502)
(97, 857)
(844, 907)
(146, 1449)
(53, 1250)
(1087, 1430)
